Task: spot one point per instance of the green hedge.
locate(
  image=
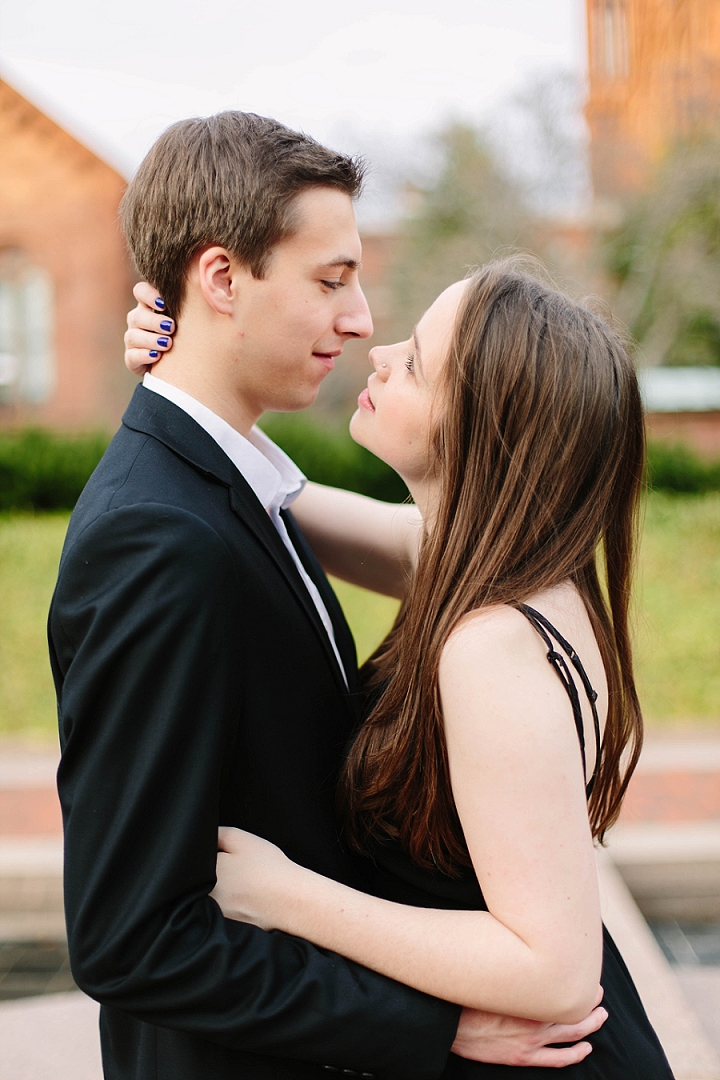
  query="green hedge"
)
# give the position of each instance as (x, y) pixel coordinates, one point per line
(40, 470)
(329, 456)
(676, 468)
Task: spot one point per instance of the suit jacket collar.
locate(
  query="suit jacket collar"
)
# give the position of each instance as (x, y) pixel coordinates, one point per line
(163, 420)
(155, 415)
(273, 476)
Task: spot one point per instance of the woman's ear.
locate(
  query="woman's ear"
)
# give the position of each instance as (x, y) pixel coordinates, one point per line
(216, 279)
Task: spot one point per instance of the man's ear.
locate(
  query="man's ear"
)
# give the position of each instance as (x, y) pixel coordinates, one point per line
(215, 277)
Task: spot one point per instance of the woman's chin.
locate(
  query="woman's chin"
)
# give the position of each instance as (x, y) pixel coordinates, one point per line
(364, 438)
(356, 431)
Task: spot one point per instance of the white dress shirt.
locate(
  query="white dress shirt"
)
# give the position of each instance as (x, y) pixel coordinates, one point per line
(272, 475)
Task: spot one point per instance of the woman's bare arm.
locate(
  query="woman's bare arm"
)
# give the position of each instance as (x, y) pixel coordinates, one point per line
(518, 785)
(364, 541)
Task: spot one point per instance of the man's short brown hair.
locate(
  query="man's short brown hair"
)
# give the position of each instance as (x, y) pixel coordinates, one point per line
(228, 179)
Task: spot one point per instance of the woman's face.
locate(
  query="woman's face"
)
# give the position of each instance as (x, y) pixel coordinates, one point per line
(401, 406)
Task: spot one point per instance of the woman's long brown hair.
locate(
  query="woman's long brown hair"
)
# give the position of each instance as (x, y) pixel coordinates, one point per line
(541, 452)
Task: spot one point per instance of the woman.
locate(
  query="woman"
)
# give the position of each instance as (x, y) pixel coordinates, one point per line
(514, 417)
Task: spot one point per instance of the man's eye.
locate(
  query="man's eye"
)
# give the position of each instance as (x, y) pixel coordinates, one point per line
(333, 284)
(410, 363)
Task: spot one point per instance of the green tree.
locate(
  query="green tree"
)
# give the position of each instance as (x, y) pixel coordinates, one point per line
(471, 212)
(665, 260)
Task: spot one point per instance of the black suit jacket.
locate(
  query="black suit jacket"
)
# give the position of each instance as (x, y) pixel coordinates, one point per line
(196, 687)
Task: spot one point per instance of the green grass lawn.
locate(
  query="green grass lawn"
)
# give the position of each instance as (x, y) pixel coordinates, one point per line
(677, 617)
(678, 609)
(29, 554)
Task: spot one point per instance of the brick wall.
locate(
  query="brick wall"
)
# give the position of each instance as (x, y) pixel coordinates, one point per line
(654, 76)
(58, 206)
(698, 430)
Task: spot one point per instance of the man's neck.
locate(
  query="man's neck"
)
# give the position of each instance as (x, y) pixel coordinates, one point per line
(193, 378)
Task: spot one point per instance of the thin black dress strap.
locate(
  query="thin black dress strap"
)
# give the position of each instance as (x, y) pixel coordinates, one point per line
(547, 631)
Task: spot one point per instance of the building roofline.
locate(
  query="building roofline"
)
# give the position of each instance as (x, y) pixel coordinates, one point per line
(67, 122)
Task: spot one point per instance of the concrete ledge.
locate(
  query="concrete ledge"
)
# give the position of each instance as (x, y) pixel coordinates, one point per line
(36, 856)
(31, 888)
(32, 926)
(655, 841)
(686, 753)
(672, 870)
(50, 1038)
(701, 987)
(28, 769)
(686, 1045)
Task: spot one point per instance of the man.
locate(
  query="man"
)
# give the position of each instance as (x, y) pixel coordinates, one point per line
(205, 674)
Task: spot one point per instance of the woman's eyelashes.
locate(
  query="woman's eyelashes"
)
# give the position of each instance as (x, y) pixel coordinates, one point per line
(410, 363)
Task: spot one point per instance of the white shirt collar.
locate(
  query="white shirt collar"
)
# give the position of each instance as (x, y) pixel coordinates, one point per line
(273, 476)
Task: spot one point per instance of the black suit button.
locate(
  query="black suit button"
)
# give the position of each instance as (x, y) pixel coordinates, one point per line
(367, 1076)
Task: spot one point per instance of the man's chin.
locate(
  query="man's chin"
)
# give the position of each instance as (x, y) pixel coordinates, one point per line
(297, 403)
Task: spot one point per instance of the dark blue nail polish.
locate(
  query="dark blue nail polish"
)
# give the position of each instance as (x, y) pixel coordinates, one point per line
(166, 325)
(163, 342)
(160, 304)
(153, 354)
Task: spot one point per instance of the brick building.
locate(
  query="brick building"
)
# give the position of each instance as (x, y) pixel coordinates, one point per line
(682, 405)
(654, 78)
(65, 277)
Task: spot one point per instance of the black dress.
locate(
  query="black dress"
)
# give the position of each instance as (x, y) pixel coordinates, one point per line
(626, 1047)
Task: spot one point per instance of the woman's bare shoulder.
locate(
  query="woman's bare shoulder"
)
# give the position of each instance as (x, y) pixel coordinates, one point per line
(496, 654)
(488, 638)
(484, 639)
(505, 625)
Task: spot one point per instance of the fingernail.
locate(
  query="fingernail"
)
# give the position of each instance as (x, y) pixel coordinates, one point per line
(166, 325)
(163, 342)
(160, 304)
(153, 354)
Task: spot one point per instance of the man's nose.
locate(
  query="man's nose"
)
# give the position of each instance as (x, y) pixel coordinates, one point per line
(356, 320)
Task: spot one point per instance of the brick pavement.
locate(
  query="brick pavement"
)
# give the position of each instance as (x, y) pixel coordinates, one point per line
(28, 799)
(678, 780)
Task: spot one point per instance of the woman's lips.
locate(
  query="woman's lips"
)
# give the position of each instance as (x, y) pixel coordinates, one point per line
(364, 401)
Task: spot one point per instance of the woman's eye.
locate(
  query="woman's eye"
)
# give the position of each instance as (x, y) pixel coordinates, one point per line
(410, 363)
(333, 284)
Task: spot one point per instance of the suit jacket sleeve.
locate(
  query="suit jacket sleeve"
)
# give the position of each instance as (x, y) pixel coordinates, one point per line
(144, 645)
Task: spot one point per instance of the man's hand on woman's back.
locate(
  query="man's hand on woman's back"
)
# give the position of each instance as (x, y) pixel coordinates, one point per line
(510, 1040)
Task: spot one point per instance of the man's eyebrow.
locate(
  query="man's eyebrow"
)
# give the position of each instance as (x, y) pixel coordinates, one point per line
(341, 260)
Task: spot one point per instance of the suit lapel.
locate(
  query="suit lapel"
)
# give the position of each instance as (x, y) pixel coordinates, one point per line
(343, 636)
(256, 519)
(163, 420)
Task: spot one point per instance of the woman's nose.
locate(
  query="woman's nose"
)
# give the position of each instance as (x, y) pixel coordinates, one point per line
(378, 359)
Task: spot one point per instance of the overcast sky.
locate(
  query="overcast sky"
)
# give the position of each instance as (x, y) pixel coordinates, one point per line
(374, 74)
